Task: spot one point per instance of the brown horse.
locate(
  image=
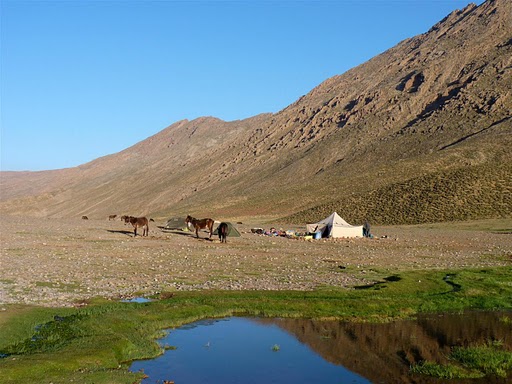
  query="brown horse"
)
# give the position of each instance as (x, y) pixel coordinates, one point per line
(138, 222)
(112, 217)
(200, 224)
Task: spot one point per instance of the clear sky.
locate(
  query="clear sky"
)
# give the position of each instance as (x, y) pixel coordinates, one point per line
(84, 79)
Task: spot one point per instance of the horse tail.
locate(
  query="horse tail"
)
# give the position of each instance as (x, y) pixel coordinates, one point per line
(223, 232)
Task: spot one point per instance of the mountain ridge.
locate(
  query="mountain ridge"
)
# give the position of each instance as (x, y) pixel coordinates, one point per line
(433, 106)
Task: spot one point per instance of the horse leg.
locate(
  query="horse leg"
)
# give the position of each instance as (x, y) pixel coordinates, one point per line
(147, 229)
(197, 231)
(134, 231)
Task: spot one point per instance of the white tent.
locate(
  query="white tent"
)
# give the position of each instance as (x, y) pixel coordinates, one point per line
(335, 226)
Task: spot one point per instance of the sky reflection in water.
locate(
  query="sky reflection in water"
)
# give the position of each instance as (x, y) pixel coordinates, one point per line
(240, 350)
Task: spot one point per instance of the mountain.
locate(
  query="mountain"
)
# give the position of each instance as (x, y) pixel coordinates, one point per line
(419, 133)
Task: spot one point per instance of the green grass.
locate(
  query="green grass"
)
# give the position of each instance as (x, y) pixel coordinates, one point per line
(490, 358)
(96, 343)
(470, 362)
(447, 371)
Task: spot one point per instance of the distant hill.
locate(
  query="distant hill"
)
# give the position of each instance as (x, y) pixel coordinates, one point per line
(420, 133)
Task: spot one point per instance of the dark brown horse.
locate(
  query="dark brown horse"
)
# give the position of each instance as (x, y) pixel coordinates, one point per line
(112, 217)
(138, 222)
(200, 224)
(223, 231)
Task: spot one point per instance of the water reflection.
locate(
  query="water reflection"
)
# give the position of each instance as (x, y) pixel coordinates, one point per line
(240, 350)
(136, 300)
(383, 353)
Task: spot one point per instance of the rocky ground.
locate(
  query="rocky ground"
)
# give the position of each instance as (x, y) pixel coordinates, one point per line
(63, 262)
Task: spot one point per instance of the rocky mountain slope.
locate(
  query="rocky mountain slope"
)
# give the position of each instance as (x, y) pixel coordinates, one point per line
(419, 133)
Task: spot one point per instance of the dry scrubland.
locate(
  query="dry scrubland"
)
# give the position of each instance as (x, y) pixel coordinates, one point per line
(63, 262)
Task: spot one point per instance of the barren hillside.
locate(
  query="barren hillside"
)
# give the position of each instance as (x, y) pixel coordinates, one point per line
(419, 133)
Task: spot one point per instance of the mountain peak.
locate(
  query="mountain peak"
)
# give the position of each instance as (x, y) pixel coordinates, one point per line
(419, 133)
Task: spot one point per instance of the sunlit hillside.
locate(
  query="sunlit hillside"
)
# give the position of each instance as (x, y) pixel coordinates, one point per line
(419, 133)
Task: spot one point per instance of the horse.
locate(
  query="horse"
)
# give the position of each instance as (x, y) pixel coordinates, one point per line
(200, 224)
(138, 222)
(112, 217)
(85, 218)
(223, 231)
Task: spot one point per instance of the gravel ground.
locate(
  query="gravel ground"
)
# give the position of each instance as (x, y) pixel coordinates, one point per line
(62, 262)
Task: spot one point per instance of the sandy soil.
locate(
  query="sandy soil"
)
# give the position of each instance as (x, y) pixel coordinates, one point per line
(62, 262)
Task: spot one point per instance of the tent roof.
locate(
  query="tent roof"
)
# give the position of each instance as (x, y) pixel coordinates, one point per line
(334, 219)
(232, 231)
(176, 223)
(335, 226)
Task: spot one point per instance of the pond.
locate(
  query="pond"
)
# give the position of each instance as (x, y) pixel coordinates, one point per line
(258, 350)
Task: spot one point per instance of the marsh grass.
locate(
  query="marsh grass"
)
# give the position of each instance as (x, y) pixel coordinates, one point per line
(447, 371)
(470, 362)
(491, 358)
(96, 343)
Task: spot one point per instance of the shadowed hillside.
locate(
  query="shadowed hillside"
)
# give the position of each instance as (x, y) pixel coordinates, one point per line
(419, 133)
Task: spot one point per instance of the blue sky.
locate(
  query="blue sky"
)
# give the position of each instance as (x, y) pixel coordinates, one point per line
(84, 79)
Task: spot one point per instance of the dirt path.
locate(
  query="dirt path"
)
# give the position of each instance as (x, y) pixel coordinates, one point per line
(60, 262)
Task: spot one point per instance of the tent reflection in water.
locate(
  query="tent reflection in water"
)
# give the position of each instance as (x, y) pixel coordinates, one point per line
(335, 226)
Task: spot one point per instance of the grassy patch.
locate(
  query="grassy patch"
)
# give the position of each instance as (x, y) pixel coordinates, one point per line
(96, 343)
(448, 371)
(18, 322)
(470, 362)
(490, 358)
